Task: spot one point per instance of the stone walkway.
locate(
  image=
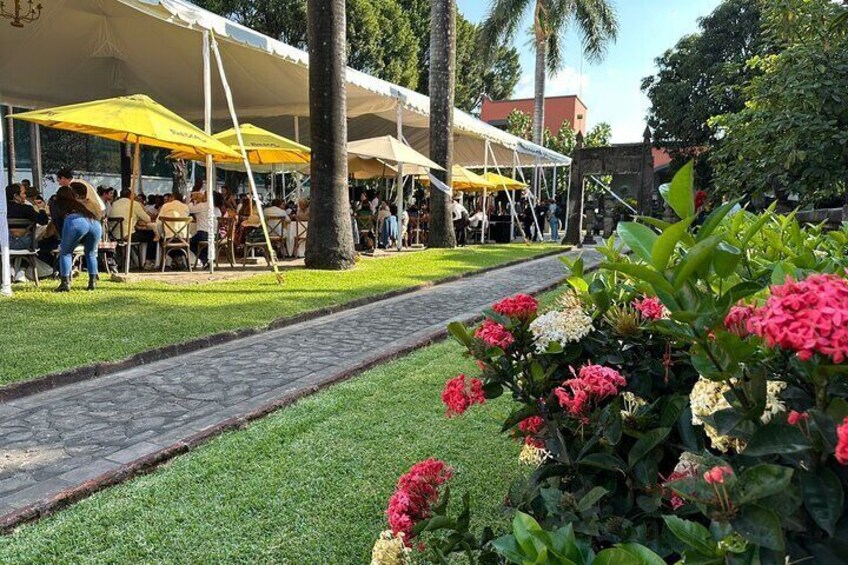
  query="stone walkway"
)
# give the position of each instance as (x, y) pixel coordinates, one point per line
(60, 445)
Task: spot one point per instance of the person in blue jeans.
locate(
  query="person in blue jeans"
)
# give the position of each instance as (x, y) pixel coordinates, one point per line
(78, 225)
(553, 219)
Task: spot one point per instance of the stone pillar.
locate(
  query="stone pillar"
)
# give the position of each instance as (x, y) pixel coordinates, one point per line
(574, 232)
(646, 176)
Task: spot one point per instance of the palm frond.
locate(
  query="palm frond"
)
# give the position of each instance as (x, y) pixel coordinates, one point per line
(598, 25)
(500, 25)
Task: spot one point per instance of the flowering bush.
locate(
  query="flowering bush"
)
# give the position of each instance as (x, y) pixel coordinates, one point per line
(691, 397)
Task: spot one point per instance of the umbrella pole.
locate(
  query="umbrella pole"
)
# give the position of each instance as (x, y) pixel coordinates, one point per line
(133, 185)
(6, 284)
(272, 256)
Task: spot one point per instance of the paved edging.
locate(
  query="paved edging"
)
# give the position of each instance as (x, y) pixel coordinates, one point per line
(51, 381)
(152, 461)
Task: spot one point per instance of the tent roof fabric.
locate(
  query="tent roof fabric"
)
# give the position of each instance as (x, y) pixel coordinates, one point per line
(81, 50)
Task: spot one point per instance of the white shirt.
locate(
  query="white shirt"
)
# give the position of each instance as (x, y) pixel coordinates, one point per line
(201, 216)
(475, 220)
(276, 212)
(121, 209)
(172, 209)
(457, 210)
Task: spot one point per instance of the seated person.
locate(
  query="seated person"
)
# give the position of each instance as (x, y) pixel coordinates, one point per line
(275, 210)
(478, 218)
(199, 208)
(141, 225)
(17, 208)
(174, 207)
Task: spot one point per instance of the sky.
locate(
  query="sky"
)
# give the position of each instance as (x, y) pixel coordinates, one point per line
(611, 88)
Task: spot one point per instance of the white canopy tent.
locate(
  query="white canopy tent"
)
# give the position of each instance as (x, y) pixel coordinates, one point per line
(81, 50)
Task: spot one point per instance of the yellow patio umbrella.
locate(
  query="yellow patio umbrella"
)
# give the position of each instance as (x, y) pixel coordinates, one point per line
(463, 179)
(503, 183)
(135, 119)
(263, 148)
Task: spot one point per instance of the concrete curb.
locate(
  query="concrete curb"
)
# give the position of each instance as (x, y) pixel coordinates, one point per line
(151, 462)
(52, 381)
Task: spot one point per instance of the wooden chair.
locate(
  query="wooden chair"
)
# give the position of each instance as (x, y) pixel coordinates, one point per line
(299, 236)
(276, 235)
(176, 233)
(225, 233)
(26, 228)
(116, 233)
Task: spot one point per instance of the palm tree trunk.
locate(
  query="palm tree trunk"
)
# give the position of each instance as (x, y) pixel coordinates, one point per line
(442, 89)
(329, 237)
(541, 73)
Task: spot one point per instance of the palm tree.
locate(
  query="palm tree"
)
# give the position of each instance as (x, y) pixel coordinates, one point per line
(329, 239)
(442, 89)
(595, 20)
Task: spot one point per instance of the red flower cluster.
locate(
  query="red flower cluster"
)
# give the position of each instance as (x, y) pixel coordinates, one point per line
(842, 442)
(459, 396)
(494, 335)
(807, 317)
(795, 417)
(736, 321)
(416, 492)
(531, 426)
(700, 199)
(521, 307)
(650, 307)
(593, 382)
(716, 474)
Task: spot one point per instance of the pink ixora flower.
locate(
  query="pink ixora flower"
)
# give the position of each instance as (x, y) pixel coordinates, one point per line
(716, 474)
(675, 499)
(531, 426)
(415, 494)
(592, 383)
(736, 321)
(494, 335)
(806, 317)
(795, 417)
(651, 308)
(521, 307)
(842, 442)
(459, 396)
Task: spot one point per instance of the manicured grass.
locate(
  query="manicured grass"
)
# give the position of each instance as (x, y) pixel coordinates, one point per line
(306, 485)
(46, 332)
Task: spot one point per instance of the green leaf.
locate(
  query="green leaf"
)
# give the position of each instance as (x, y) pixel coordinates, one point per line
(692, 534)
(761, 481)
(646, 443)
(603, 461)
(725, 259)
(695, 258)
(823, 498)
(759, 526)
(667, 241)
(754, 228)
(714, 220)
(776, 438)
(590, 498)
(523, 526)
(643, 273)
(628, 554)
(638, 238)
(507, 546)
(681, 196)
(662, 225)
(458, 331)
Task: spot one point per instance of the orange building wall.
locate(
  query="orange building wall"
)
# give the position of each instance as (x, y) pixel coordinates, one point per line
(557, 110)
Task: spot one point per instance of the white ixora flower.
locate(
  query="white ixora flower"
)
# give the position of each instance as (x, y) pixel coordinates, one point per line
(390, 549)
(532, 456)
(708, 397)
(632, 403)
(560, 326)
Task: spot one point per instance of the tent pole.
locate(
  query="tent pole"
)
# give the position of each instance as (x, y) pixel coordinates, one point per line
(513, 213)
(35, 150)
(10, 146)
(298, 179)
(399, 182)
(272, 256)
(211, 252)
(136, 178)
(6, 282)
(567, 199)
(485, 170)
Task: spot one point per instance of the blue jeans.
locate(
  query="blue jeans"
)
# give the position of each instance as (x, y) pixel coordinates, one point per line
(20, 243)
(390, 231)
(79, 229)
(554, 221)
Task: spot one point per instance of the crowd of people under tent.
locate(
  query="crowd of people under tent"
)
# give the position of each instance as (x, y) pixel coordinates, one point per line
(83, 228)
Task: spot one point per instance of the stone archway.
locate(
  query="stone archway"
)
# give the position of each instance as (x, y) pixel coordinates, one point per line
(622, 158)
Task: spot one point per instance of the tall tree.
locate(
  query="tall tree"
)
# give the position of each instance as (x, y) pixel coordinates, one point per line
(595, 20)
(791, 136)
(442, 85)
(703, 76)
(329, 240)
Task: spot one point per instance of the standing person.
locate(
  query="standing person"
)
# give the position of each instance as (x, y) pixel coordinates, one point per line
(77, 224)
(553, 219)
(541, 211)
(527, 219)
(460, 221)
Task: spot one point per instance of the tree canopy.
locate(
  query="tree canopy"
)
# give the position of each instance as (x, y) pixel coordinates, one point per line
(389, 39)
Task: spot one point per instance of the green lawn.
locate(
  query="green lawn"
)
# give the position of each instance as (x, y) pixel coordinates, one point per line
(46, 332)
(305, 485)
